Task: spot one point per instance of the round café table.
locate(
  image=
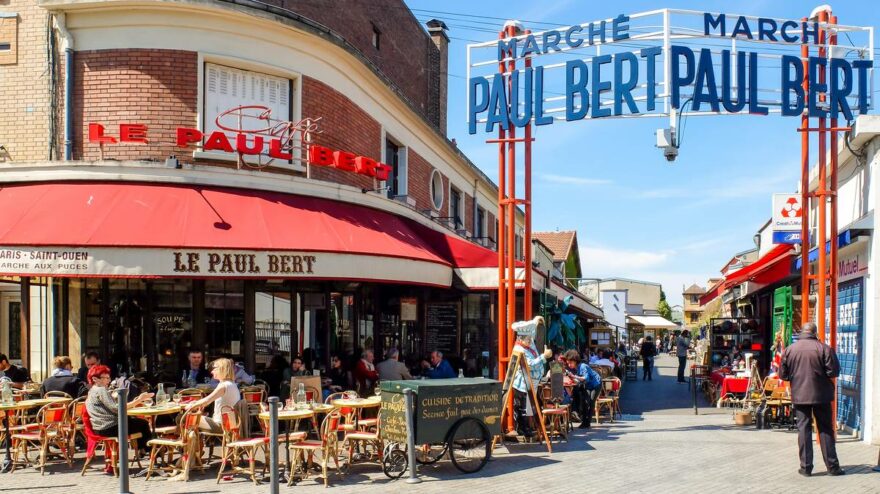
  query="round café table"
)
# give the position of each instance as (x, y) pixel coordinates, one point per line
(358, 404)
(288, 416)
(21, 405)
(150, 413)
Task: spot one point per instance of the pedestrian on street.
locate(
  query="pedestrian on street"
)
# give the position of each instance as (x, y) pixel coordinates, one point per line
(682, 343)
(648, 351)
(811, 365)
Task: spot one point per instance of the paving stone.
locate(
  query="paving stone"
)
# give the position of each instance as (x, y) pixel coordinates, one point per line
(659, 446)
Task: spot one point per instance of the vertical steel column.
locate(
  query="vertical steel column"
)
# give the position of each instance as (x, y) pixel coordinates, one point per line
(527, 206)
(805, 193)
(511, 197)
(832, 267)
(503, 355)
(821, 200)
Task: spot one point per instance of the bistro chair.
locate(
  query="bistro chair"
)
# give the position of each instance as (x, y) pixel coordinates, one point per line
(604, 402)
(557, 420)
(611, 388)
(51, 431)
(57, 394)
(234, 447)
(190, 394)
(75, 421)
(371, 438)
(327, 445)
(187, 443)
(288, 437)
(107, 444)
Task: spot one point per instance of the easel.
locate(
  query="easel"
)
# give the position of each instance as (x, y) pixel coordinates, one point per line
(519, 362)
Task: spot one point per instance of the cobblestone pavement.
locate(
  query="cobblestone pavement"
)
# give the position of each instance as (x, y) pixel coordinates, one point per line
(660, 446)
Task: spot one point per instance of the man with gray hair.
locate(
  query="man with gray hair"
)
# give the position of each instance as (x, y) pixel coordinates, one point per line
(811, 365)
(392, 369)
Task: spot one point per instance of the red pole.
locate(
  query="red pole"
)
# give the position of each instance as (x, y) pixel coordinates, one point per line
(511, 203)
(805, 195)
(821, 201)
(503, 355)
(832, 269)
(527, 235)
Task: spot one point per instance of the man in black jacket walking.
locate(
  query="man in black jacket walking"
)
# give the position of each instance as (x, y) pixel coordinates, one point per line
(810, 365)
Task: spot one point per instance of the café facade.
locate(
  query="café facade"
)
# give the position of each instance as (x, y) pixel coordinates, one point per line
(245, 179)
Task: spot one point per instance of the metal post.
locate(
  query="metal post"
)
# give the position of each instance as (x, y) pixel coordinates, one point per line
(410, 438)
(693, 386)
(273, 444)
(122, 439)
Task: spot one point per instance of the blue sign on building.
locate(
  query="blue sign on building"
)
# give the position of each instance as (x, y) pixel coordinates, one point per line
(850, 339)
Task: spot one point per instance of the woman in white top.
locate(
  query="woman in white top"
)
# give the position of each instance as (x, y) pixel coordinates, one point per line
(225, 394)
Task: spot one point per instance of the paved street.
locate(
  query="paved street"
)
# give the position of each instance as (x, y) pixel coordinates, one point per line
(660, 446)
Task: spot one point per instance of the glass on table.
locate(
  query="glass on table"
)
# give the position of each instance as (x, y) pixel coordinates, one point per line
(148, 402)
(176, 398)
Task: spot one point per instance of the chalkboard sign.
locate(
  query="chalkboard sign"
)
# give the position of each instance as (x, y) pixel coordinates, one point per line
(441, 330)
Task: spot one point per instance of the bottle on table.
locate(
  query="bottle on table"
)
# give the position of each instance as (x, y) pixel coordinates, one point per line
(161, 396)
(301, 396)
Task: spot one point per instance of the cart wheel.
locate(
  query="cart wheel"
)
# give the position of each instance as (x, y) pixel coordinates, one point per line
(394, 464)
(469, 445)
(430, 453)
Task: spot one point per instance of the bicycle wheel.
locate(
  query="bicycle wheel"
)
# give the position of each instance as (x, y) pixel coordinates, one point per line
(469, 445)
(430, 453)
(394, 464)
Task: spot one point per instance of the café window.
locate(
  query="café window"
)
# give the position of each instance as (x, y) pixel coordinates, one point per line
(227, 88)
(224, 317)
(395, 157)
(455, 208)
(480, 227)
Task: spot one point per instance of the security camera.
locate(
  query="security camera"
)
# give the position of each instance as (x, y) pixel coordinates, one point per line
(666, 142)
(670, 153)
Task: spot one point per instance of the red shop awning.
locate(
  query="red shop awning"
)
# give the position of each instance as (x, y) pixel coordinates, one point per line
(122, 220)
(773, 266)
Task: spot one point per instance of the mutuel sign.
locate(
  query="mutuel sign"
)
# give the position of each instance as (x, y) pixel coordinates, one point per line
(270, 139)
(603, 69)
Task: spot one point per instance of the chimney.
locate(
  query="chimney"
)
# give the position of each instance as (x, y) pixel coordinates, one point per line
(437, 29)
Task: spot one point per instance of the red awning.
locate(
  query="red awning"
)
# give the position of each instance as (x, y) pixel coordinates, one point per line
(770, 268)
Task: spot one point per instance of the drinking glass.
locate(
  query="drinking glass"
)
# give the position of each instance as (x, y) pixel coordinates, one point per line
(176, 398)
(148, 403)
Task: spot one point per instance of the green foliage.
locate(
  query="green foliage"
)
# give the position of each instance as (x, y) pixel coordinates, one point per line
(664, 309)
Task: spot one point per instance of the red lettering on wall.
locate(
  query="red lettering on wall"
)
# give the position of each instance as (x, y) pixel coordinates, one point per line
(344, 160)
(320, 156)
(186, 136)
(218, 142)
(96, 134)
(135, 133)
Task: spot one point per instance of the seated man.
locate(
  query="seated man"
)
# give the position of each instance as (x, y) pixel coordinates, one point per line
(439, 368)
(18, 375)
(62, 379)
(392, 369)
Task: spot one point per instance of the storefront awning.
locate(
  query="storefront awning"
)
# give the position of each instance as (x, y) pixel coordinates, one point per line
(653, 322)
(773, 266)
(115, 229)
(578, 301)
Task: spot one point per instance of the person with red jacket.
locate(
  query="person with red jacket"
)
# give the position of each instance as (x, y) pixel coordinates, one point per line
(365, 374)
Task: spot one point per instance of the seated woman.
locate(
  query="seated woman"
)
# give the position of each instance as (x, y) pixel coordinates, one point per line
(586, 389)
(103, 408)
(225, 394)
(336, 379)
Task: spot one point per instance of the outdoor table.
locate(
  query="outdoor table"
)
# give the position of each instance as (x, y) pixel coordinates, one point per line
(288, 416)
(359, 404)
(734, 385)
(21, 405)
(152, 412)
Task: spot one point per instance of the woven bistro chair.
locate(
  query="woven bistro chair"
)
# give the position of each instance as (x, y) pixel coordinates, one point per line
(234, 447)
(52, 430)
(186, 443)
(557, 420)
(327, 445)
(367, 438)
(75, 421)
(108, 444)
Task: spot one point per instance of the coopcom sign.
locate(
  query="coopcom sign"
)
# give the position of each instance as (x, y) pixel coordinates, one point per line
(655, 63)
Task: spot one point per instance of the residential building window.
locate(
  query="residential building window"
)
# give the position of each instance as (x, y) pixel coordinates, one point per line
(227, 88)
(8, 38)
(377, 37)
(455, 208)
(480, 227)
(395, 157)
(695, 317)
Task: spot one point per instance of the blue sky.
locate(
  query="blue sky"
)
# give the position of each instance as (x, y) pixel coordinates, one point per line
(636, 215)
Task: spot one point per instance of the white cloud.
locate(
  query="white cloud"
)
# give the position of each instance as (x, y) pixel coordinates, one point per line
(563, 179)
(603, 261)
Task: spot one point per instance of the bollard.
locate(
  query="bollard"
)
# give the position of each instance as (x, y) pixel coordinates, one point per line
(410, 438)
(693, 386)
(122, 416)
(273, 444)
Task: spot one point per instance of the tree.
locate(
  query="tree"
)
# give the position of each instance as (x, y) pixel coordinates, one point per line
(664, 309)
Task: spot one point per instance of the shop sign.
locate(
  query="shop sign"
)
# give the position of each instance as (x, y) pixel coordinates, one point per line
(787, 218)
(270, 139)
(215, 263)
(409, 309)
(853, 265)
(604, 69)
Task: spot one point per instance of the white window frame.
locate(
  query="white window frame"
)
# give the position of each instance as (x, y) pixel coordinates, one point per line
(295, 102)
(438, 206)
(402, 164)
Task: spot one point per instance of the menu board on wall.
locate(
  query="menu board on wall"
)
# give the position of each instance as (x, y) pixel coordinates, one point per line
(441, 331)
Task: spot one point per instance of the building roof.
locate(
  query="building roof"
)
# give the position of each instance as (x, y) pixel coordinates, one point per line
(694, 289)
(559, 243)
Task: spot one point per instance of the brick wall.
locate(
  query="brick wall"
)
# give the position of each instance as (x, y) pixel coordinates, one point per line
(25, 102)
(344, 126)
(419, 187)
(157, 88)
(406, 53)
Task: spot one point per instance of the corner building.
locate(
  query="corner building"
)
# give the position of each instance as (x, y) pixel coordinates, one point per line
(148, 209)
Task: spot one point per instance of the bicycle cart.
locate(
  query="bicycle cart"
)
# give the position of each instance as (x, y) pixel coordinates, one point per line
(451, 417)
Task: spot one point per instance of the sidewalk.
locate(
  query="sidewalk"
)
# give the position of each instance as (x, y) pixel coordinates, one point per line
(659, 447)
